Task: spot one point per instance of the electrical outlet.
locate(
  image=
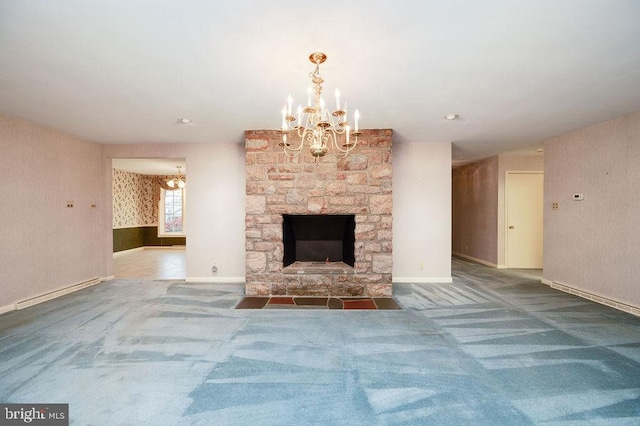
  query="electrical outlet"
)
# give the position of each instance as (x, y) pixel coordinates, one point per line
(555, 205)
(69, 204)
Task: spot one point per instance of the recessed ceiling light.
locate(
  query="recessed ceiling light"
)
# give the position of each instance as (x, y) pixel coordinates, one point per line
(451, 117)
(184, 120)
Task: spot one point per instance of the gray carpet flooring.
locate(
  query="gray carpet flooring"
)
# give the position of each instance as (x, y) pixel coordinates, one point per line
(494, 348)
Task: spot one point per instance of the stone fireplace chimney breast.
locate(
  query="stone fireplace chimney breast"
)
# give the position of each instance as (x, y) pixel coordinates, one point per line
(356, 189)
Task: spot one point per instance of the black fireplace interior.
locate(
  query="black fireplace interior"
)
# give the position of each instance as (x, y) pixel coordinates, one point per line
(316, 238)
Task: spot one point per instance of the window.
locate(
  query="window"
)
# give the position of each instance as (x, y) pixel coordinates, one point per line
(171, 221)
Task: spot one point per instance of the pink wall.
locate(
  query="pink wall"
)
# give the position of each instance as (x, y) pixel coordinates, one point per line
(475, 211)
(593, 245)
(47, 246)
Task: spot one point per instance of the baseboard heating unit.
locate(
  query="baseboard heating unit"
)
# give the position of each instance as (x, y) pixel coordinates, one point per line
(56, 293)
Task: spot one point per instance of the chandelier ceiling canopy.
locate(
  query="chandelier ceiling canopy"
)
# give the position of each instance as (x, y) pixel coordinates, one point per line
(314, 125)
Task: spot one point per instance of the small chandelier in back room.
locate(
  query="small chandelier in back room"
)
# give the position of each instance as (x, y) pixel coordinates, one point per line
(177, 182)
(315, 126)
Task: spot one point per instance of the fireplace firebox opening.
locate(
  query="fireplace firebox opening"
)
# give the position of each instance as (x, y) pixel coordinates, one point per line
(318, 238)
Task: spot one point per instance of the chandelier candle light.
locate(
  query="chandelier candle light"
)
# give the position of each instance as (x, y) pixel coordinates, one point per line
(316, 125)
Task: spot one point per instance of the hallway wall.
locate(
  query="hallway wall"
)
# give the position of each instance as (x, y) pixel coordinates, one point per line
(593, 245)
(475, 211)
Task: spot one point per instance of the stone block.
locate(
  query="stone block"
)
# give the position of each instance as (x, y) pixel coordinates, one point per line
(349, 289)
(310, 285)
(381, 204)
(256, 261)
(362, 267)
(272, 233)
(266, 158)
(266, 246)
(353, 162)
(382, 171)
(336, 188)
(316, 205)
(275, 266)
(369, 279)
(262, 219)
(379, 290)
(253, 234)
(256, 173)
(373, 247)
(385, 235)
(382, 263)
(281, 176)
(257, 289)
(276, 199)
(255, 204)
(386, 222)
(306, 180)
(278, 289)
(295, 197)
(342, 200)
(253, 145)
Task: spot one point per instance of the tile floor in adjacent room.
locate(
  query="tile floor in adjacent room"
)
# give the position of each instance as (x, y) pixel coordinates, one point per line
(152, 263)
(495, 347)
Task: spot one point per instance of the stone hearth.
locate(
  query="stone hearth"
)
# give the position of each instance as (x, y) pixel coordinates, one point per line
(359, 185)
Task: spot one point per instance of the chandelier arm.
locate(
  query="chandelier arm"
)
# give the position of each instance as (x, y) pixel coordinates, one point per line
(288, 154)
(298, 148)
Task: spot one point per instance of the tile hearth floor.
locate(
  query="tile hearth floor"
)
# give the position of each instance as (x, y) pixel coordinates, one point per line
(288, 302)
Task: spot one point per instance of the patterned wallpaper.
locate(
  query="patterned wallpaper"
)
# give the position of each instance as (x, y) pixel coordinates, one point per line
(135, 200)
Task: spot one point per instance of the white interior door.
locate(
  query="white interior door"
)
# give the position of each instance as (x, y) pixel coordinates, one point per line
(524, 203)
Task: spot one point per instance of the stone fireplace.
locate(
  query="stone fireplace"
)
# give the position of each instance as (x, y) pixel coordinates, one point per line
(318, 228)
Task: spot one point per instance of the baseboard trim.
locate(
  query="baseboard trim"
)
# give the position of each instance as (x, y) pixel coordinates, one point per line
(480, 261)
(631, 309)
(5, 309)
(109, 278)
(422, 280)
(25, 303)
(215, 280)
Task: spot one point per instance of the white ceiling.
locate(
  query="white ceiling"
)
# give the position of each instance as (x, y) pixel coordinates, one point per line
(516, 71)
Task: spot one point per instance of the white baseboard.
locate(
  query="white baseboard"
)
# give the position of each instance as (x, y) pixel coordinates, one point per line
(631, 309)
(5, 309)
(422, 280)
(215, 280)
(25, 303)
(480, 261)
(109, 278)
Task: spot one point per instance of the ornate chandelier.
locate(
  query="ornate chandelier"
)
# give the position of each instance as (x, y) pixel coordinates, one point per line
(317, 127)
